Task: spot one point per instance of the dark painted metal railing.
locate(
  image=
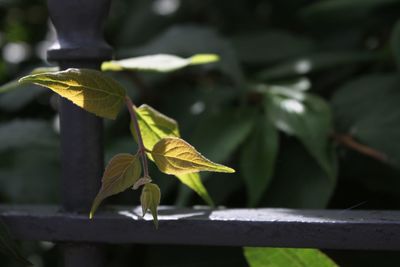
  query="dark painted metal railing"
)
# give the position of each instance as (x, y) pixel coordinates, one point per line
(79, 26)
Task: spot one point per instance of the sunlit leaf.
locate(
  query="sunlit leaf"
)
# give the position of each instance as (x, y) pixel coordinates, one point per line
(305, 116)
(257, 160)
(203, 59)
(121, 173)
(287, 257)
(154, 126)
(150, 199)
(175, 156)
(158, 63)
(8, 246)
(89, 89)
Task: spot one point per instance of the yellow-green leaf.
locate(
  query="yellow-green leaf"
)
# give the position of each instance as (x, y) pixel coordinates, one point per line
(175, 156)
(154, 126)
(150, 199)
(158, 63)
(122, 172)
(89, 89)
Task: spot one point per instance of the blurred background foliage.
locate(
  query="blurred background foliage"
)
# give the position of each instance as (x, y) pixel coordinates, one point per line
(304, 104)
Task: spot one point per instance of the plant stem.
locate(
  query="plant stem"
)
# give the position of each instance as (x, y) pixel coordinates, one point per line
(142, 149)
(348, 141)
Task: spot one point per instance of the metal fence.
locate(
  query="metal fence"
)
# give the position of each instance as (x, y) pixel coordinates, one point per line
(79, 26)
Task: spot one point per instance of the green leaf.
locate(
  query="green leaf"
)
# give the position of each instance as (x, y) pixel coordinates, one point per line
(150, 199)
(9, 86)
(257, 159)
(201, 39)
(175, 156)
(158, 63)
(329, 6)
(219, 135)
(287, 257)
(299, 181)
(154, 126)
(19, 98)
(27, 133)
(203, 59)
(315, 62)
(8, 246)
(121, 173)
(12, 85)
(193, 181)
(276, 46)
(89, 89)
(305, 116)
(395, 43)
(367, 109)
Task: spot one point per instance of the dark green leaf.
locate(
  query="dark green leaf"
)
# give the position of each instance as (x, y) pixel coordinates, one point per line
(299, 182)
(258, 158)
(218, 135)
(395, 43)
(367, 109)
(313, 63)
(17, 99)
(305, 116)
(22, 133)
(287, 257)
(329, 6)
(276, 45)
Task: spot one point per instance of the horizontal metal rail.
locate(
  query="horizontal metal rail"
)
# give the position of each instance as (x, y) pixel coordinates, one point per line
(325, 229)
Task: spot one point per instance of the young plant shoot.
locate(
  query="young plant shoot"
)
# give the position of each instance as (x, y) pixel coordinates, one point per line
(157, 136)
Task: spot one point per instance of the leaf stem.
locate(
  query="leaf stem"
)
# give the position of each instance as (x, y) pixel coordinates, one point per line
(142, 149)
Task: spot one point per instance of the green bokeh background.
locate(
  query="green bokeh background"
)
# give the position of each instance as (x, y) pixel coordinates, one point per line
(344, 54)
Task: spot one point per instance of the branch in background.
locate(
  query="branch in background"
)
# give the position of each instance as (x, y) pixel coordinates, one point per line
(349, 142)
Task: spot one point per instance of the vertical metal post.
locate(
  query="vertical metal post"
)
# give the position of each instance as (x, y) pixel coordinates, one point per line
(79, 26)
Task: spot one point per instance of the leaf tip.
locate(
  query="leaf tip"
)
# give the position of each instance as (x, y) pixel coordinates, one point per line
(155, 221)
(230, 170)
(25, 79)
(204, 59)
